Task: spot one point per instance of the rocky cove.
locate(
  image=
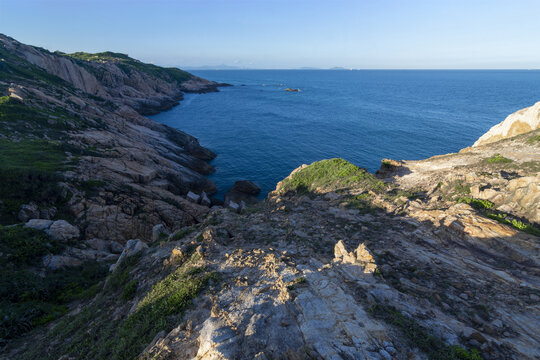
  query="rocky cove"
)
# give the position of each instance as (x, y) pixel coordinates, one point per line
(111, 247)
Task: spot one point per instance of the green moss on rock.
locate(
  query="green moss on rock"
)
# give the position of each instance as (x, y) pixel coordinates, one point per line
(330, 175)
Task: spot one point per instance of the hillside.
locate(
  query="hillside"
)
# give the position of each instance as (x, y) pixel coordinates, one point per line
(81, 165)
(430, 259)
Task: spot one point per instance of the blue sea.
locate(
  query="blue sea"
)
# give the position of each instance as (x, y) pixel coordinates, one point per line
(261, 132)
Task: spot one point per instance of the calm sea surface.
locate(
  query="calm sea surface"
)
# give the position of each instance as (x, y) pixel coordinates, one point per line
(262, 132)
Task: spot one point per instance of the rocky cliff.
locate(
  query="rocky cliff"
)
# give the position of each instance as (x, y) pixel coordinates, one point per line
(93, 105)
(431, 259)
(520, 122)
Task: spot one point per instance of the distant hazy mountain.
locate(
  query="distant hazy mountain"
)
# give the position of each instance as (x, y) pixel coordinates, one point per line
(212, 67)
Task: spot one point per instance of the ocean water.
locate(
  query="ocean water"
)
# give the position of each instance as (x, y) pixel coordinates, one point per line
(261, 132)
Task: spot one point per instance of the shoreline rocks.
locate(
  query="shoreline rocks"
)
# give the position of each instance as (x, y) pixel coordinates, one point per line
(242, 190)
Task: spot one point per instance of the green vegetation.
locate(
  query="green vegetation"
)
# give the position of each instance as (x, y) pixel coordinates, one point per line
(95, 333)
(477, 203)
(434, 347)
(91, 187)
(497, 159)
(331, 175)
(40, 155)
(126, 64)
(517, 224)
(19, 186)
(360, 202)
(485, 208)
(21, 246)
(130, 289)
(25, 119)
(296, 282)
(182, 233)
(121, 274)
(454, 190)
(15, 68)
(533, 140)
(28, 300)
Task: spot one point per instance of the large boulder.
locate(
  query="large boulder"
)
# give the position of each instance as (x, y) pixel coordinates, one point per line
(63, 231)
(55, 262)
(159, 232)
(133, 247)
(520, 122)
(39, 224)
(28, 211)
(100, 245)
(243, 190)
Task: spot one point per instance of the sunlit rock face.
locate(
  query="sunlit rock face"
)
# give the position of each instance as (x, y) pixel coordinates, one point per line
(520, 122)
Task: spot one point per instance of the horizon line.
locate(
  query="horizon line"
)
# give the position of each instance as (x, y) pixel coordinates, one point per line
(366, 69)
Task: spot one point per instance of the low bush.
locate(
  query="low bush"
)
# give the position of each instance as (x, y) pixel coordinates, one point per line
(477, 203)
(497, 159)
(331, 175)
(515, 223)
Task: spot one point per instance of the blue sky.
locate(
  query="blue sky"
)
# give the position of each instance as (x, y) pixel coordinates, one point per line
(288, 34)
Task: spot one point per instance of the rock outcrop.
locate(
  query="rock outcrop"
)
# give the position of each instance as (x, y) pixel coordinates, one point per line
(138, 169)
(242, 191)
(520, 122)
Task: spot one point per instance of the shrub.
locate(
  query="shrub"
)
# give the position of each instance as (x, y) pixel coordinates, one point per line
(497, 159)
(28, 300)
(517, 224)
(331, 175)
(25, 245)
(477, 203)
(130, 289)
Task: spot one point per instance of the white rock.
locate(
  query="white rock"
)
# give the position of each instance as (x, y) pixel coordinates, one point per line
(159, 231)
(520, 122)
(133, 247)
(205, 200)
(234, 206)
(55, 262)
(62, 230)
(191, 196)
(38, 224)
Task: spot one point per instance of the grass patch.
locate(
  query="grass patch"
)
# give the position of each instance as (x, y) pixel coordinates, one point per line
(22, 246)
(130, 289)
(497, 159)
(360, 202)
(91, 187)
(478, 204)
(14, 67)
(533, 140)
(95, 334)
(21, 185)
(120, 275)
(182, 233)
(38, 155)
(516, 224)
(434, 347)
(331, 175)
(28, 300)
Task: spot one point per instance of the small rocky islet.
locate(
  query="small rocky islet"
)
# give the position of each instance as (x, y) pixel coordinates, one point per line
(112, 247)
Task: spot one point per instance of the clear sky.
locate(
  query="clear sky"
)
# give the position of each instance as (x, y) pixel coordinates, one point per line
(288, 33)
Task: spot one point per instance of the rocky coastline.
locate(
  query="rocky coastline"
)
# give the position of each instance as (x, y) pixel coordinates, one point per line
(112, 248)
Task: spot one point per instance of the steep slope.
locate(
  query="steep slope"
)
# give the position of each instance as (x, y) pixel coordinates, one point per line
(94, 107)
(431, 259)
(82, 172)
(335, 264)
